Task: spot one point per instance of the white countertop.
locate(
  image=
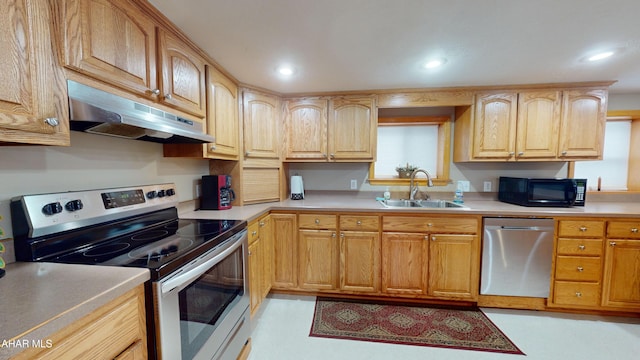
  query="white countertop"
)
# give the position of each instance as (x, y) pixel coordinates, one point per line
(38, 299)
(358, 202)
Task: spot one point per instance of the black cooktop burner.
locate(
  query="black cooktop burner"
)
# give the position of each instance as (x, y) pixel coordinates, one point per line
(159, 247)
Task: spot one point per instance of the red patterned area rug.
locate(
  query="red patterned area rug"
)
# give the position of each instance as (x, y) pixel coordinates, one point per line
(467, 329)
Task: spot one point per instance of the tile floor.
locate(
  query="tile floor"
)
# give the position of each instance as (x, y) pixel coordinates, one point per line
(281, 332)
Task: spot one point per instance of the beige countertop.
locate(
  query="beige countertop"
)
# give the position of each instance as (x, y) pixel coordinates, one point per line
(365, 202)
(38, 299)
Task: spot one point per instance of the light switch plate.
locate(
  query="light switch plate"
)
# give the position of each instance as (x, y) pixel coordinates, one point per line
(354, 184)
(487, 186)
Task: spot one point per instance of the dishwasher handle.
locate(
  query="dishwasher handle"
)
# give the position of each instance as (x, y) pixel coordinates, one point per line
(519, 228)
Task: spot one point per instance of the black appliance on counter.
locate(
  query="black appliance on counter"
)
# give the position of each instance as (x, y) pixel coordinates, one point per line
(192, 309)
(542, 192)
(217, 193)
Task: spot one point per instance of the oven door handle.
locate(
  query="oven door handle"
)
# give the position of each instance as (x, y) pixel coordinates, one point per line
(183, 280)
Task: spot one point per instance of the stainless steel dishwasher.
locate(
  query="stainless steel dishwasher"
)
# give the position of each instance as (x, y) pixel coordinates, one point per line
(516, 257)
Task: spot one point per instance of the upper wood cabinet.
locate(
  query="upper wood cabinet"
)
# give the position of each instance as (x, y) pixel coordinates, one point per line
(182, 82)
(33, 95)
(583, 120)
(222, 116)
(260, 119)
(305, 123)
(116, 42)
(536, 125)
(112, 41)
(334, 129)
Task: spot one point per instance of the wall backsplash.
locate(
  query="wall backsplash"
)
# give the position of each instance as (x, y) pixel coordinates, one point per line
(94, 161)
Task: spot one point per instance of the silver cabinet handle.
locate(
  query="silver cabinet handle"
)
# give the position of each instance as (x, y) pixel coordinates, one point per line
(246, 154)
(520, 153)
(168, 96)
(324, 155)
(583, 228)
(580, 269)
(634, 230)
(254, 233)
(333, 235)
(52, 121)
(261, 223)
(342, 235)
(433, 238)
(429, 224)
(212, 147)
(612, 243)
(358, 222)
(563, 153)
(578, 294)
(581, 247)
(511, 153)
(155, 91)
(332, 155)
(317, 221)
(426, 237)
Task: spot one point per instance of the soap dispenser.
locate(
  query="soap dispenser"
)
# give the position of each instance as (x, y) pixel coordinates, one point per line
(387, 194)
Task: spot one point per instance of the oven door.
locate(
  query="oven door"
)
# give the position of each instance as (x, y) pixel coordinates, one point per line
(201, 310)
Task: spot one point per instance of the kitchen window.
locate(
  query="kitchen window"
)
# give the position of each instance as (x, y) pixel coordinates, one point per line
(620, 158)
(422, 141)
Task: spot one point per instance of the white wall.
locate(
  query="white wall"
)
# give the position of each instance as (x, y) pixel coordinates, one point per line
(93, 162)
(624, 102)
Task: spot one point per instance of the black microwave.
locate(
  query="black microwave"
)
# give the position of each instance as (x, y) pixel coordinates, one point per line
(542, 192)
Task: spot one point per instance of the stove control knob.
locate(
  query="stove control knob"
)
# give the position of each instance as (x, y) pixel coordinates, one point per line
(171, 192)
(74, 205)
(151, 194)
(161, 193)
(52, 208)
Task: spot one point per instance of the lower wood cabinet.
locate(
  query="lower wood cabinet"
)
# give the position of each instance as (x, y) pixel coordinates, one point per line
(285, 251)
(115, 330)
(360, 261)
(318, 259)
(621, 284)
(259, 262)
(453, 266)
(404, 263)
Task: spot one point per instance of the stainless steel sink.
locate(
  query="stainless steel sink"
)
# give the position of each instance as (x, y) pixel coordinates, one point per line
(435, 203)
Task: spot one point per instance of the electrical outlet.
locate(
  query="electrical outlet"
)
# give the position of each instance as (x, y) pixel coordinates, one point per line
(463, 185)
(487, 186)
(354, 184)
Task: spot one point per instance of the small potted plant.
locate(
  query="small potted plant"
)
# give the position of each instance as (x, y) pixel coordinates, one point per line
(404, 171)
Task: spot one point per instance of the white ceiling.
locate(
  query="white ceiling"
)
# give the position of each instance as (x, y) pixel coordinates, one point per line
(382, 44)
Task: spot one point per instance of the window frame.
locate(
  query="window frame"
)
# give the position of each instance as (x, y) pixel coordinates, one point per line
(444, 149)
(633, 183)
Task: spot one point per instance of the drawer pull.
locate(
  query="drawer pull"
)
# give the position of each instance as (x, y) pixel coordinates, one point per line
(578, 294)
(634, 230)
(261, 223)
(333, 235)
(342, 235)
(612, 243)
(433, 238)
(583, 228)
(426, 237)
(581, 247)
(429, 224)
(254, 233)
(358, 222)
(580, 269)
(317, 221)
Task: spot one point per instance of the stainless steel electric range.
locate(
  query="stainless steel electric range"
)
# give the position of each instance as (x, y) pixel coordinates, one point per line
(197, 300)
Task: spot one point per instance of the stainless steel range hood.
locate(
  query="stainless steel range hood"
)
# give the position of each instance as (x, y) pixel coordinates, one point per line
(98, 112)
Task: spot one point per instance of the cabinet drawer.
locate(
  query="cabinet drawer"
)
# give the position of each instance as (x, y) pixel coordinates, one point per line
(624, 229)
(580, 228)
(430, 224)
(359, 222)
(589, 247)
(578, 268)
(254, 231)
(576, 293)
(317, 221)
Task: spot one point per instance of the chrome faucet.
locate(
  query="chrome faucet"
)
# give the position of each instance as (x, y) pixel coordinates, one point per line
(413, 189)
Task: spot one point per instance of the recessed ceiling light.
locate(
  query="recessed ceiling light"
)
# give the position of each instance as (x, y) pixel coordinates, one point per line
(435, 63)
(600, 56)
(286, 70)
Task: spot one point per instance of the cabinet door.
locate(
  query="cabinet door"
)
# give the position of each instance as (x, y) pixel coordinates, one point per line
(352, 129)
(538, 125)
(112, 41)
(453, 266)
(621, 286)
(266, 236)
(33, 95)
(582, 126)
(318, 259)
(255, 263)
(306, 129)
(260, 185)
(260, 126)
(360, 261)
(404, 263)
(494, 130)
(285, 251)
(222, 115)
(183, 75)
